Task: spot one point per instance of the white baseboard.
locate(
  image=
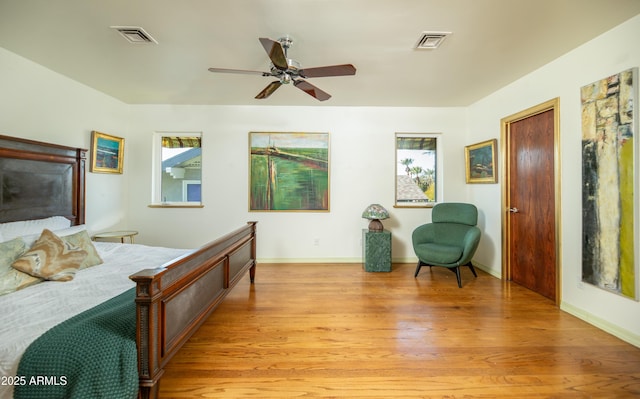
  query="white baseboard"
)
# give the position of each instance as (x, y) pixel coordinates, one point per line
(625, 335)
(309, 260)
(487, 270)
(358, 260)
(329, 260)
(405, 260)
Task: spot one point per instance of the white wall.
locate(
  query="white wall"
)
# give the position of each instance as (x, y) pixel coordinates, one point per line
(362, 171)
(38, 104)
(606, 55)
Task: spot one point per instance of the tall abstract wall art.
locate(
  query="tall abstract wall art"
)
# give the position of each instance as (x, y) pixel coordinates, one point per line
(608, 202)
(288, 171)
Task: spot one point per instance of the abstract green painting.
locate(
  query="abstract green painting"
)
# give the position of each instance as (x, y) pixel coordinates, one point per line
(288, 171)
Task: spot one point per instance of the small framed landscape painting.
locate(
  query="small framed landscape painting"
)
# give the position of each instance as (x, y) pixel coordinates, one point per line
(107, 153)
(480, 161)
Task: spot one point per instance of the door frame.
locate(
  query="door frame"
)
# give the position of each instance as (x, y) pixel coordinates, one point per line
(505, 132)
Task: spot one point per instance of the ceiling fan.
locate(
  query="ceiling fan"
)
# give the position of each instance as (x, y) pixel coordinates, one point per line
(287, 70)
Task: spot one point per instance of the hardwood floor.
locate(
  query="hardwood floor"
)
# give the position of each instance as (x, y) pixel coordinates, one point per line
(335, 331)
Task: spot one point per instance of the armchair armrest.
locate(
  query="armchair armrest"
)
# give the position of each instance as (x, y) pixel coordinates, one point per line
(423, 234)
(471, 241)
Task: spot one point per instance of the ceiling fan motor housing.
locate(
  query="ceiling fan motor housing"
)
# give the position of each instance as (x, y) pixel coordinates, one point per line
(289, 74)
(293, 64)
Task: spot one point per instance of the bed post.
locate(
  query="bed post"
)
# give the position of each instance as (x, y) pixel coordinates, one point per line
(80, 191)
(252, 269)
(148, 296)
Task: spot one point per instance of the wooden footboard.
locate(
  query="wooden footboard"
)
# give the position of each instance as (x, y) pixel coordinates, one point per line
(175, 299)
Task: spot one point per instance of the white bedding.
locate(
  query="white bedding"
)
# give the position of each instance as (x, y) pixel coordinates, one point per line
(26, 314)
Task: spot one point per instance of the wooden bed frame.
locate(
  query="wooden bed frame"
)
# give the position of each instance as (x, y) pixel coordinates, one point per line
(41, 180)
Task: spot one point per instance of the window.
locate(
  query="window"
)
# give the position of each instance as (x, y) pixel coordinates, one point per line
(177, 169)
(418, 169)
(191, 191)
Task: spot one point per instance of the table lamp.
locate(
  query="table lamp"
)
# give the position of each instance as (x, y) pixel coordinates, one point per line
(375, 212)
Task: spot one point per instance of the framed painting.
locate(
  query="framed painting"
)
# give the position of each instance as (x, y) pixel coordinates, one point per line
(609, 205)
(418, 170)
(107, 153)
(480, 162)
(288, 171)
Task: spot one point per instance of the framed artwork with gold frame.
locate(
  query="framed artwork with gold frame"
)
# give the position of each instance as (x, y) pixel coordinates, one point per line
(288, 171)
(107, 153)
(480, 161)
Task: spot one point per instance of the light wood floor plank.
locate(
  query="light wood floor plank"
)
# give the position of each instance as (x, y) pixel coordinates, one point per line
(335, 331)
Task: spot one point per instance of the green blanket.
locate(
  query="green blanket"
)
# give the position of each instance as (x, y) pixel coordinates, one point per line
(92, 355)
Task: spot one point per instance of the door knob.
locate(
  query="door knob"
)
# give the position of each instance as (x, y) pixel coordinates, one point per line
(514, 210)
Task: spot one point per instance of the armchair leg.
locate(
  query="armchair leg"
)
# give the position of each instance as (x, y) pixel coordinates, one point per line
(472, 269)
(456, 270)
(418, 269)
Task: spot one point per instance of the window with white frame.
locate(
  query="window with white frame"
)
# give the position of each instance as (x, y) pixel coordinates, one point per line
(418, 169)
(177, 169)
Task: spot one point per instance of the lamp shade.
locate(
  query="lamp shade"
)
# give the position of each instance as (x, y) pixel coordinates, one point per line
(375, 212)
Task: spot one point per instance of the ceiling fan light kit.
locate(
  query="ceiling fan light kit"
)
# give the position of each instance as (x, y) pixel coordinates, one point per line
(287, 70)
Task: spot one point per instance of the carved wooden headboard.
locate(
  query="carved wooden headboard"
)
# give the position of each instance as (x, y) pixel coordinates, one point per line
(41, 180)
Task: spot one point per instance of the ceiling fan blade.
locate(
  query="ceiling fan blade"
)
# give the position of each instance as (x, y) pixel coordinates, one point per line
(267, 91)
(312, 90)
(242, 71)
(276, 53)
(332, 70)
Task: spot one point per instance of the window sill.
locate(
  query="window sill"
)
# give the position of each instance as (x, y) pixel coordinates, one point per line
(416, 206)
(176, 205)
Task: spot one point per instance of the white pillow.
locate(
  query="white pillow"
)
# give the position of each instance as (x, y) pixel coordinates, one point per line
(31, 238)
(11, 230)
(70, 230)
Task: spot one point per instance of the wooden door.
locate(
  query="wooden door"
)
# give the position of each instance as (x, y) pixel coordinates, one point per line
(531, 203)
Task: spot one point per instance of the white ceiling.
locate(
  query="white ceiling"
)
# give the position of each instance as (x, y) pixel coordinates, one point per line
(494, 42)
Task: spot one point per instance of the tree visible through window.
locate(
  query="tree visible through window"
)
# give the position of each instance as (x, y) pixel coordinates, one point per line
(417, 172)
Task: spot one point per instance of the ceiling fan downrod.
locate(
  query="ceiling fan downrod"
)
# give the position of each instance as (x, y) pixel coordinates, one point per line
(286, 42)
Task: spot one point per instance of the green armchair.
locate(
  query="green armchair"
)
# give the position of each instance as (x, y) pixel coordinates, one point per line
(450, 240)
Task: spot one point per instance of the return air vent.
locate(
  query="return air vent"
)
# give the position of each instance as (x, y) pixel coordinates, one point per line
(431, 40)
(134, 34)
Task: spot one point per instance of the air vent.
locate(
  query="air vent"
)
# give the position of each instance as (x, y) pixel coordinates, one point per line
(431, 40)
(134, 34)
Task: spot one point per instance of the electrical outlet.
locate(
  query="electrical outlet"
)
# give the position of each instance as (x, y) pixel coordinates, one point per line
(316, 241)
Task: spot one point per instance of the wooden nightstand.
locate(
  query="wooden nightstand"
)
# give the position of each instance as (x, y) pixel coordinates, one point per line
(109, 235)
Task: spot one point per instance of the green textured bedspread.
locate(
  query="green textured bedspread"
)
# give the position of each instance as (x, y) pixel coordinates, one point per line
(92, 355)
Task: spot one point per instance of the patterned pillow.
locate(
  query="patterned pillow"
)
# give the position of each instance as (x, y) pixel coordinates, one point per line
(51, 258)
(82, 240)
(11, 279)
